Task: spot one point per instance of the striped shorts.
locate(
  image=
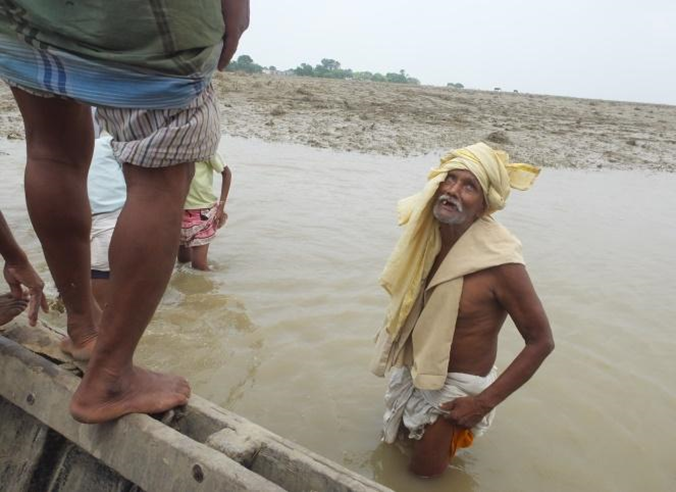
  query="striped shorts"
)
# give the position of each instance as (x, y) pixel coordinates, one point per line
(159, 137)
(164, 137)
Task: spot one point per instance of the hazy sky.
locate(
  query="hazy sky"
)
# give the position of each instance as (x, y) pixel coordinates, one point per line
(623, 50)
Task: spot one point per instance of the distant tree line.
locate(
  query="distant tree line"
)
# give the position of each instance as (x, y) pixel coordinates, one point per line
(328, 68)
(331, 69)
(244, 63)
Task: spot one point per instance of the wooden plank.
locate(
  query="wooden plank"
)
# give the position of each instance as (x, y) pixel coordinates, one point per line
(278, 460)
(143, 450)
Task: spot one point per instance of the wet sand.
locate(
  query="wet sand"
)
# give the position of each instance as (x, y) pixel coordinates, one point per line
(400, 120)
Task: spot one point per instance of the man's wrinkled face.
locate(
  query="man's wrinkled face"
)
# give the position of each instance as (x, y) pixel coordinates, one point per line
(459, 199)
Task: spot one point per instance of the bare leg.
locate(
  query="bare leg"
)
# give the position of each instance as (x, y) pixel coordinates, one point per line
(59, 140)
(101, 291)
(199, 257)
(84, 351)
(142, 255)
(184, 254)
(431, 453)
(10, 308)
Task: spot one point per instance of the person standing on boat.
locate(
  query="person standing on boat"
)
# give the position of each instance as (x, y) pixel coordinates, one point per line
(147, 67)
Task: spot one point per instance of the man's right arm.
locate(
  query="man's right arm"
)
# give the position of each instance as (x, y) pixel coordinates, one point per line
(236, 18)
(515, 293)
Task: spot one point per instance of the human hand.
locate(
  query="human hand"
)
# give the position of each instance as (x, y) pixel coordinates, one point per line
(236, 19)
(465, 411)
(221, 218)
(22, 274)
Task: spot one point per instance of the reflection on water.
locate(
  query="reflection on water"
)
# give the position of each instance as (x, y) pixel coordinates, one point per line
(208, 334)
(281, 330)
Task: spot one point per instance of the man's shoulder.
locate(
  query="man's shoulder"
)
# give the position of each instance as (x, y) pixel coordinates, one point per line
(495, 275)
(483, 246)
(491, 241)
(504, 270)
(489, 229)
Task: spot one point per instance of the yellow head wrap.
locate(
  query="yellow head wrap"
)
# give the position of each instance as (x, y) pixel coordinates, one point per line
(414, 254)
(493, 170)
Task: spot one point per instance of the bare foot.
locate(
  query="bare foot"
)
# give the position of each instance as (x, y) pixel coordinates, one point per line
(10, 308)
(82, 336)
(79, 351)
(102, 397)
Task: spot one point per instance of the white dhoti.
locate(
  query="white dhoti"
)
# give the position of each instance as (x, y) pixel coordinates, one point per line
(418, 408)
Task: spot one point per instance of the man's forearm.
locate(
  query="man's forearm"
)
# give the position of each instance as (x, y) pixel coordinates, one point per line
(236, 21)
(236, 17)
(238, 10)
(9, 249)
(519, 371)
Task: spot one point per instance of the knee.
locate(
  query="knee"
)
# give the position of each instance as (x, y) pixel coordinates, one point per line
(429, 468)
(66, 163)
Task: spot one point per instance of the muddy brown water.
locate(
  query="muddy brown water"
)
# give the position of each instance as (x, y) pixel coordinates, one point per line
(281, 330)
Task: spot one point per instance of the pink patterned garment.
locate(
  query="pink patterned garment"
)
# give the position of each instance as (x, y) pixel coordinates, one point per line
(198, 226)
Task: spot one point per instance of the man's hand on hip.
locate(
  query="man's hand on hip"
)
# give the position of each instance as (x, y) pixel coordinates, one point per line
(466, 411)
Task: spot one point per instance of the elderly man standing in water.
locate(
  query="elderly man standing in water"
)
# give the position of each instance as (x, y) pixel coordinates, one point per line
(453, 278)
(147, 67)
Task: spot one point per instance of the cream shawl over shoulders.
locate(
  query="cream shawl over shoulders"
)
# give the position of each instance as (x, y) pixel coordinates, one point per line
(424, 342)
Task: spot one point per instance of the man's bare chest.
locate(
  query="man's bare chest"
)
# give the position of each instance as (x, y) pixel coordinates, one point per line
(478, 302)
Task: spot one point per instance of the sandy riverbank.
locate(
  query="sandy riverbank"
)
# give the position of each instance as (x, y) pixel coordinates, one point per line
(393, 119)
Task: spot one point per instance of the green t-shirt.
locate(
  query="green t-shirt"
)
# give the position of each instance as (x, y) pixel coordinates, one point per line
(171, 37)
(201, 193)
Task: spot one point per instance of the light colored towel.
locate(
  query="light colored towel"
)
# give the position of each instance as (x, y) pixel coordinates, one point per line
(417, 408)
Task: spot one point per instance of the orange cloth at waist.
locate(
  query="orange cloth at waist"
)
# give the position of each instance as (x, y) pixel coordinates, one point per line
(462, 438)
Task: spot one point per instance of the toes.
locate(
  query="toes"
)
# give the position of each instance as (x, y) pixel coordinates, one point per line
(182, 400)
(12, 309)
(184, 387)
(20, 305)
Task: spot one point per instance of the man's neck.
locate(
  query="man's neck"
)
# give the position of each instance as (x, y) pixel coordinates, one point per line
(449, 236)
(451, 233)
